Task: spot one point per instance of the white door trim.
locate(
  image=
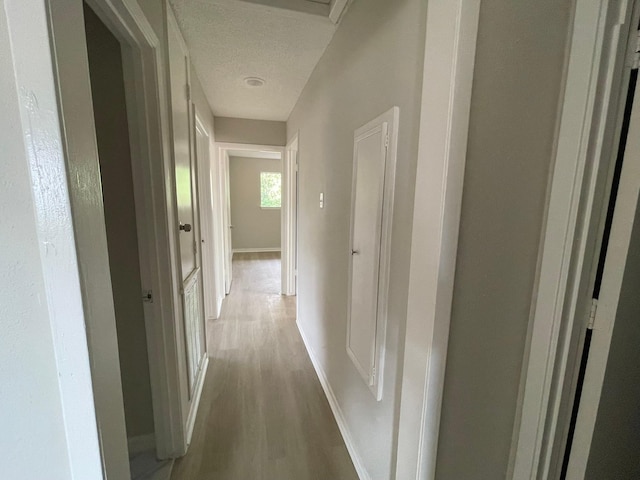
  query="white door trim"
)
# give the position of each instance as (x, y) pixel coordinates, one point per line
(594, 84)
(289, 245)
(450, 46)
(145, 74)
(207, 215)
(222, 150)
(612, 282)
(226, 222)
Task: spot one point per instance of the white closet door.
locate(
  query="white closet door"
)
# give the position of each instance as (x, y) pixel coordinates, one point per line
(374, 155)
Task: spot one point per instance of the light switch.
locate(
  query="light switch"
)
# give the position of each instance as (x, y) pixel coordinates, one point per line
(321, 199)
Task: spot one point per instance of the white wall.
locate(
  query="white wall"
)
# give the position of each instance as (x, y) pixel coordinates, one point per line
(47, 426)
(374, 62)
(253, 227)
(256, 132)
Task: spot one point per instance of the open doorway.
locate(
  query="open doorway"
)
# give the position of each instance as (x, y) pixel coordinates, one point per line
(258, 203)
(124, 211)
(255, 205)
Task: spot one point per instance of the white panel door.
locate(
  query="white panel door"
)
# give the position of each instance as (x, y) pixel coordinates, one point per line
(179, 73)
(366, 223)
(206, 205)
(374, 164)
(192, 329)
(228, 260)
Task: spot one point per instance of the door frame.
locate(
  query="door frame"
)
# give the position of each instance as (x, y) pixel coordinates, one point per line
(626, 205)
(222, 149)
(208, 241)
(289, 224)
(595, 91)
(450, 45)
(147, 104)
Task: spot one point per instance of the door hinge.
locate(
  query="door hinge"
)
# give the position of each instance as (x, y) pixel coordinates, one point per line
(592, 313)
(386, 142)
(147, 296)
(373, 375)
(635, 61)
(188, 91)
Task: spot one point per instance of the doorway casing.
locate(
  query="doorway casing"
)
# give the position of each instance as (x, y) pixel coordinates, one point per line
(147, 102)
(450, 46)
(290, 217)
(287, 219)
(598, 71)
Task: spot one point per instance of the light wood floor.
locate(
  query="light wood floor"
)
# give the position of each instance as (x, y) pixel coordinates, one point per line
(263, 414)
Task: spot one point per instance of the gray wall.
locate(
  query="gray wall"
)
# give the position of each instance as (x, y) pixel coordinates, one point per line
(107, 85)
(373, 63)
(257, 132)
(253, 227)
(614, 451)
(516, 92)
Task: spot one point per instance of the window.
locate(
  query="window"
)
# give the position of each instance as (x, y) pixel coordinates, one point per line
(270, 190)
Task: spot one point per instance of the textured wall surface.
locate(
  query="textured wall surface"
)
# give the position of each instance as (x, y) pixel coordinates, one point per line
(47, 418)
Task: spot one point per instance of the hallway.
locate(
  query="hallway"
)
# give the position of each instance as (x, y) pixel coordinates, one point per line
(263, 414)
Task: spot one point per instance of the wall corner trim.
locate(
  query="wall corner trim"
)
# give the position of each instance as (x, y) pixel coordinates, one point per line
(450, 46)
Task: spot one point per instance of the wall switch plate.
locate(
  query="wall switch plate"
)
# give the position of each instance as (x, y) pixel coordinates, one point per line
(321, 199)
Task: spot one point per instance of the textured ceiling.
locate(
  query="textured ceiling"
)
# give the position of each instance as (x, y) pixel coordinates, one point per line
(230, 40)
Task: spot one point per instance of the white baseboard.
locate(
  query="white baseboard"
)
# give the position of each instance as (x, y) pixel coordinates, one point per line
(335, 408)
(141, 443)
(191, 419)
(257, 250)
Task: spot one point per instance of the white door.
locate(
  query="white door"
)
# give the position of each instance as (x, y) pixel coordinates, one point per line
(206, 218)
(371, 220)
(607, 431)
(228, 261)
(370, 156)
(187, 203)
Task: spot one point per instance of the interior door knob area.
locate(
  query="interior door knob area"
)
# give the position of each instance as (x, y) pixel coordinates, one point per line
(355, 252)
(185, 227)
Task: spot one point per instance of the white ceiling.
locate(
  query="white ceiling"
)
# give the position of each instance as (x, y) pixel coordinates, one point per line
(230, 40)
